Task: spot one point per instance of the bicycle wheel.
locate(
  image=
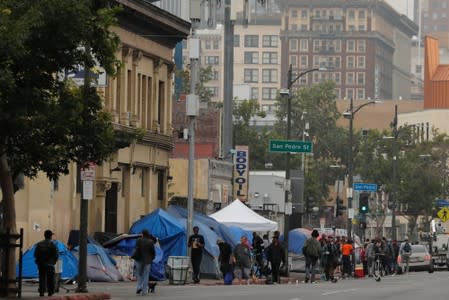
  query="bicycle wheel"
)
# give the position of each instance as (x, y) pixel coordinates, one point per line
(377, 273)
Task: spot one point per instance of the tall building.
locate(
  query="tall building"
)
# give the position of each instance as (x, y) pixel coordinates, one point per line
(364, 44)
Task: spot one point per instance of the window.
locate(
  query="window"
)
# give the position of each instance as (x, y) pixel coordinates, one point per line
(293, 27)
(350, 62)
(361, 27)
(269, 75)
(349, 78)
(207, 44)
(361, 14)
(251, 41)
(269, 93)
(143, 179)
(215, 75)
(294, 13)
(334, 62)
(251, 75)
(211, 60)
(316, 61)
(361, 62)
(351, 15)
(251, 57)
(303, 27)
(294, 60)
(337, 45)
(254, 93)
(303, 14)
(351, 28)
(270, 58)
(361, 46)
(349, 93)
(361, 78)
(303, 45)
(360, 94)
(337, 93)
(160, 185)
(270, 41)
(213, 91)
(293, 45)
(316, 45)
(215, 44)
(336, 77)
(236, 40)
(304, 61)
(350, 46)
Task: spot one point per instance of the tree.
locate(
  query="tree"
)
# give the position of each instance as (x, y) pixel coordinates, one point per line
(203, 92)
(46, 122)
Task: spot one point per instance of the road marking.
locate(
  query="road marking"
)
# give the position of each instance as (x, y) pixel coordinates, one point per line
(296, 299)
(338, 292)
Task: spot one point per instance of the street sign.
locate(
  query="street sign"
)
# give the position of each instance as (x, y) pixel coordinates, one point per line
(442, 203)
(284, 146)
(88, 189)
(443, 214)
(367, 187)
(88, 173)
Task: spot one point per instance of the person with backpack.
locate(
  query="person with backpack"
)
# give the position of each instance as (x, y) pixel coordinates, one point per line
(405, 251)
(46, 256)
(311, 251)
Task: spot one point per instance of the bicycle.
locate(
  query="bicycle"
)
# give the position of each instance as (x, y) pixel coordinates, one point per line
(378, 270)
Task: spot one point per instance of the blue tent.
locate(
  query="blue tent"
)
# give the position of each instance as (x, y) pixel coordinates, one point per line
(296, 239)
(238, 232)
(69, 262)
(166, 228)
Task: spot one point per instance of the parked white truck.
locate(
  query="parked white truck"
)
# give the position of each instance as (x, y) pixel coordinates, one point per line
(439, 243)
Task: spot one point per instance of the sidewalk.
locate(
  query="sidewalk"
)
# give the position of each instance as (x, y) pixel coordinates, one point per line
(104, 290)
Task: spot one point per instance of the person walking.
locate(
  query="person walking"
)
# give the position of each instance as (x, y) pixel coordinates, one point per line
(46, 255)
(242, 255)
(405, 250)
(143, 256)
(311, 251)
(225, 259)
(196, 243)
(330, 259)
(276, 256)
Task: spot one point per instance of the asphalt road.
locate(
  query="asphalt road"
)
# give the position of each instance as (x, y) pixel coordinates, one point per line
(413, 286)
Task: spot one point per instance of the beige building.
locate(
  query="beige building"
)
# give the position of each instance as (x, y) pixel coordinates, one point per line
(139, 100)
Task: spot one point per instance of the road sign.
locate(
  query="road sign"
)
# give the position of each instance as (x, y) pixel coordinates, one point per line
(367, 187)
(443, 214)
(284, 146)
(442, 203)
(88, 173)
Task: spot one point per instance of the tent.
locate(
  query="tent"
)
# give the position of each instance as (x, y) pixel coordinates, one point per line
(169, 231)
(296, 239)
(100, 266)
(238, 214)
(69, 262)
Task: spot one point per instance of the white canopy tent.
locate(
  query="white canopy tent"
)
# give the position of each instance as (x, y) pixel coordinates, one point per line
(238, 214)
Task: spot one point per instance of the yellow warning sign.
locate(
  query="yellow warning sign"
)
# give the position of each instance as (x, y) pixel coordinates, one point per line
(443, 214)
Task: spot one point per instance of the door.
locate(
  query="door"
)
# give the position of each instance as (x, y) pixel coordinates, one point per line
(111, 209)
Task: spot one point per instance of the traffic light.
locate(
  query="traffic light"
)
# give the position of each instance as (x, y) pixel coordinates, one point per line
(340, 209)
(363, 203)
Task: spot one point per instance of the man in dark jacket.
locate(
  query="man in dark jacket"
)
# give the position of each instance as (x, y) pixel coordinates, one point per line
(196, 243)
(226, 265)
(258, 249)
(46, 256)
(143, 256)
(311, 251)
(276, 256)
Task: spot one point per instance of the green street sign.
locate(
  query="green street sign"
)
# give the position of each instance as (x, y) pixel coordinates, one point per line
(283, 146)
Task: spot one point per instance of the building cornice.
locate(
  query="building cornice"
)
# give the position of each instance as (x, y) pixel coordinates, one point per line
(161, 141)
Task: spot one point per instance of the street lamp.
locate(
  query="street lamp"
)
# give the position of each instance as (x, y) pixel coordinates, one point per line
(287, 93)
(349, 114)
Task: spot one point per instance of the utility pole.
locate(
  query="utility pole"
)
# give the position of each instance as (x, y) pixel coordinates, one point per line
(395, 168)
(350, 176)
(192, 109)
(228, 81)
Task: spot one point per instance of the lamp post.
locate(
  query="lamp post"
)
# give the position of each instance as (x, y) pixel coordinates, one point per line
(349, 114)
(394, 126)
(287, 93)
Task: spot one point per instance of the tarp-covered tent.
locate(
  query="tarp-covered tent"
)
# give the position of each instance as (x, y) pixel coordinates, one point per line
(100, 265)
(69, 262)
(296, 239)
(209, 263)
(238, 232)
(238, 214)
(169, 230)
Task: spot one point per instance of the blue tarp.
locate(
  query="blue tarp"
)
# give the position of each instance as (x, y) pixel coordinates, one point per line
(69, 262)
(166, 228)
(238, 232)
(296, 239)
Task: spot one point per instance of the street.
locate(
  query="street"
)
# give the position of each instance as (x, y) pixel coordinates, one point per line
(419, 285)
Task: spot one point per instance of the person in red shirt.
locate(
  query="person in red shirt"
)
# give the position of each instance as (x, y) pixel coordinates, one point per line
(346, 251)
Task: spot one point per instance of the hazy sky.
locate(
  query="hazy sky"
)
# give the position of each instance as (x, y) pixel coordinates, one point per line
(401, 6)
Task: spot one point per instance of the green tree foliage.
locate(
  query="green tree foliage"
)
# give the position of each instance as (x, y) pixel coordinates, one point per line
(45, 122)
(203, 92)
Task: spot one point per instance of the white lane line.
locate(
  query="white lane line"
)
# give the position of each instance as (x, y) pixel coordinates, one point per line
(338, 292)
(296, 299)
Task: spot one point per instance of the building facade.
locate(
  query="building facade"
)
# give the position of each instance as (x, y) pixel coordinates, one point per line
(363, 44)
(134, 180)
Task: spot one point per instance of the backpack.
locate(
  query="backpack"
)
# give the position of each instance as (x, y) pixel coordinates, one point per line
(311, 247)
(407, 248)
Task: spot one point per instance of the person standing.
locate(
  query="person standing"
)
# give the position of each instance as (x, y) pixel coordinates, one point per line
(346, 252)
(46, 256)
(276, 256)
(196, 243)
(258, 247)
(143, 257)
(242, 255)
(330, 258)
(405, 251)
(311, 251)
(225, 260)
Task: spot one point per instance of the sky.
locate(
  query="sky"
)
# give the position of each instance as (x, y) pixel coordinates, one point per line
(401, 6)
